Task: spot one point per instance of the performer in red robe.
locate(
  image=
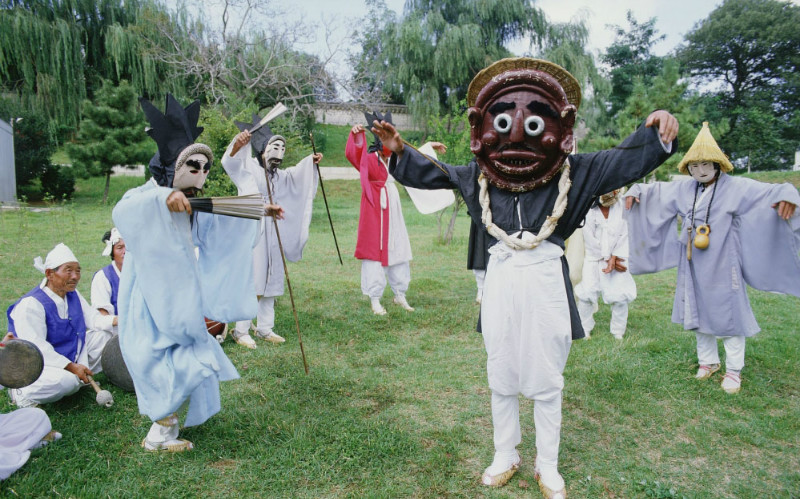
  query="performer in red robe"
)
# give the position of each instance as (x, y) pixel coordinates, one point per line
(383, 245)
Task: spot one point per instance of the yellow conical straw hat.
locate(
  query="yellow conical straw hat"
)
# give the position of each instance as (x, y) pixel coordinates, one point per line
(703, 149)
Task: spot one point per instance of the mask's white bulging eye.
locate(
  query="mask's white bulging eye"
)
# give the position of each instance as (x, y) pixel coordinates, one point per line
(534, 125)
(502, 123)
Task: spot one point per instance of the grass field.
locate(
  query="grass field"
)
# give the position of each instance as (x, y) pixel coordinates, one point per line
(398, 406)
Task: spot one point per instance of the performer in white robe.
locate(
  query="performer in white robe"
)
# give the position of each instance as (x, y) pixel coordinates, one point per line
(293, 189)
(736, 231)
(71, 344)
(605, 239)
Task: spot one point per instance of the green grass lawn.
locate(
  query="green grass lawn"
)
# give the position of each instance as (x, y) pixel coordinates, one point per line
(398, 406)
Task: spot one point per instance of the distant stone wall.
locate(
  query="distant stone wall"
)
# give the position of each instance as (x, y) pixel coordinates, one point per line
(351, 113)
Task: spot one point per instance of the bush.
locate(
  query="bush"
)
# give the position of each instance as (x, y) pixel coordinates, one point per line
(58, 182)
(33, 146)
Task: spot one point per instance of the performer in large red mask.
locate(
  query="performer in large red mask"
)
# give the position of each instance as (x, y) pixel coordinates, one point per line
(521, 124)
(529, 193)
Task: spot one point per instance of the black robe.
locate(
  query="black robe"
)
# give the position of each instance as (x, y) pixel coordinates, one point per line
(592, 174)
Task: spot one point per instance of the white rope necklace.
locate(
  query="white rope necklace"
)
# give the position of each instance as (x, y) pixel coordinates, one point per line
(564, 184)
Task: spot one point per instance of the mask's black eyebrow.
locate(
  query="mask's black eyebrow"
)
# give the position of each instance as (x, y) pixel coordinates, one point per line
(499, 107)
(541, 108)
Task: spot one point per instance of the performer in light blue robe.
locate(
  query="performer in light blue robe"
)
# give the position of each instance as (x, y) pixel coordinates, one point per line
(179, 268)
(748, 244)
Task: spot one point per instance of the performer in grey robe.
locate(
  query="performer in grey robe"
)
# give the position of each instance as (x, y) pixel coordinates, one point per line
(744, 241)
(293, 189)
(521, 116)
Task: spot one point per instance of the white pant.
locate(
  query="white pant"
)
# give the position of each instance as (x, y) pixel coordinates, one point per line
(546, 418)
(373, 278)
(265, 320)
(56, 383)
(619, 316)
(527, 334)
(707, 352)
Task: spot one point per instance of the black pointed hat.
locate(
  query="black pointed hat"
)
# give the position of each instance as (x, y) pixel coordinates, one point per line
(258, 139)
(377, 145)
(173, 131)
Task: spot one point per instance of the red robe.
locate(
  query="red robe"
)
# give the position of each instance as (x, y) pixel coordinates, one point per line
(372, 244)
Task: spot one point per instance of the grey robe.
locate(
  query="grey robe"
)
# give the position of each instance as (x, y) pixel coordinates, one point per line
(293, 189)
(592, 174)
(749, 243)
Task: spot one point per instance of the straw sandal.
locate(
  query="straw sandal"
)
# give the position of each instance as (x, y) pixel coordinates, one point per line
(177, 445)
(547, 492)
(501, 478)
(706, 370)
(731, 383)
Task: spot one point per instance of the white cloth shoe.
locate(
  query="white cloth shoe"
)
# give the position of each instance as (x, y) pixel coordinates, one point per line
(706, 370)
(401, 300)
(731, 382)
(377, 308)
(501, 470)
(20, 401)
(163, 436)
(243, 339)
(551, 483)
(270, 336)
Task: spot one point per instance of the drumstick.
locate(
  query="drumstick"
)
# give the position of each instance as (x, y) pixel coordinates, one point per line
(104, 397)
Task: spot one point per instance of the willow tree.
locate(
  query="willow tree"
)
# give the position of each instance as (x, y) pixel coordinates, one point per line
(54, 54)
(427, 58)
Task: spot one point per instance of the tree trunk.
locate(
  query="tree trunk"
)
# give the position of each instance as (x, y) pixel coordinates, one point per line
(105, 192)
(451, 227)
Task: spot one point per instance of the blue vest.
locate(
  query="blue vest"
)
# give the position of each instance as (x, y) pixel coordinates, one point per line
(113, 278)
(66, 335)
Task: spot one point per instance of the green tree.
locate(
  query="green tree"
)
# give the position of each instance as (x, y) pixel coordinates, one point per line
(630, 58)
(746, 51)
(665, 91)
(110, 134)
(55, 53)
(427, 59)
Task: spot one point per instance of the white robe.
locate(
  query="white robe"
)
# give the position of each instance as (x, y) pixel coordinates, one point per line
(20, 431)
(604, 238)
(101, 293)
(293, 189)
(30, 324)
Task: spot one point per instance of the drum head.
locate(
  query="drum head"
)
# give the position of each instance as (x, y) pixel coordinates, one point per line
(21, 363)
(114, 365)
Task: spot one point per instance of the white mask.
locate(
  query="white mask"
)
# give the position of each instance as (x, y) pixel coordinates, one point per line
(702, 172)
(274, 152)
(192, 173)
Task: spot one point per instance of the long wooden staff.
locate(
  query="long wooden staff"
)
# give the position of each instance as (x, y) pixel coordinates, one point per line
(286, 272)
(314, 148)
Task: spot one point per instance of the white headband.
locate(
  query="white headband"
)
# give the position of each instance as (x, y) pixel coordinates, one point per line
(58, 256)
(114, 239)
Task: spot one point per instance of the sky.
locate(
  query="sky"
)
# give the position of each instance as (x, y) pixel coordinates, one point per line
(673, 19)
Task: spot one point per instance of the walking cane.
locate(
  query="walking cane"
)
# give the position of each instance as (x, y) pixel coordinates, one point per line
(314, 148)
(286, 272)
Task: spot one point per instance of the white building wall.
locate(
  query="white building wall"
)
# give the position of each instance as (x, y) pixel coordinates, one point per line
(8, 177)
(349, 114)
